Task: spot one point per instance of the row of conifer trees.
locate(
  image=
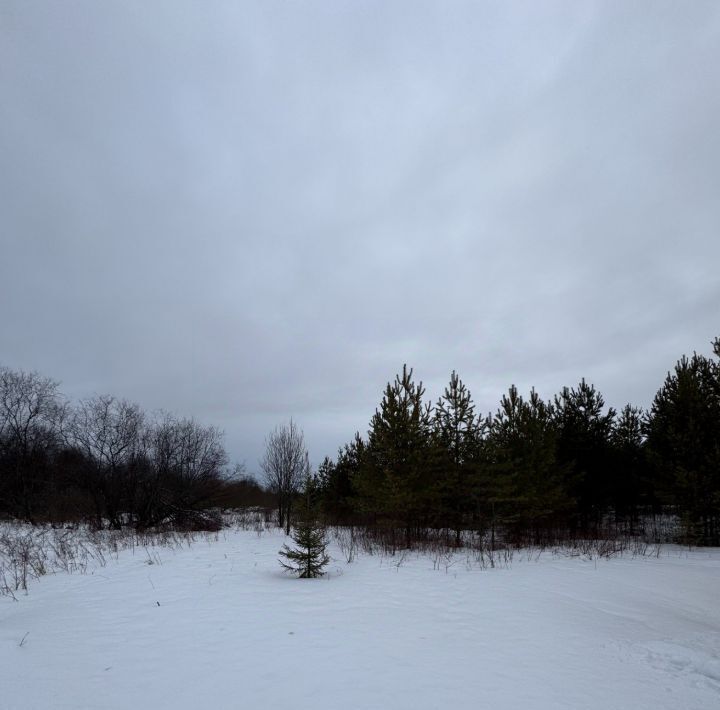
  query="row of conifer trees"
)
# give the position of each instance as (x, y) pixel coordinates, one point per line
(534, 468)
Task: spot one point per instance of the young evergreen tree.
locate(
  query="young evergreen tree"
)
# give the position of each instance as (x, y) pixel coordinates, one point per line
(394, 484)
(629, 469)
(337, 491)
(458, 436)
(526, 492)
(309, 557)
(683, 430)
(584, 447)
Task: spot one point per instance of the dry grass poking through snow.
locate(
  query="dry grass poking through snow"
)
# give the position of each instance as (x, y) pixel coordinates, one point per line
(29, 552)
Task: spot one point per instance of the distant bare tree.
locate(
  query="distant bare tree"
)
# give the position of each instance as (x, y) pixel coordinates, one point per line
(31, 410)
(108, 431)
(185, 462)
(285, 465)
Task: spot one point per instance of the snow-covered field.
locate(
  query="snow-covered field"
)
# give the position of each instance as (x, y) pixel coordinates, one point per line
(216, 624)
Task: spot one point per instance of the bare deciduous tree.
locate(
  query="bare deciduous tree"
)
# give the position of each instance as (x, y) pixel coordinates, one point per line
(30, 412)
(285, 465)
(108, 431)
(185, 465)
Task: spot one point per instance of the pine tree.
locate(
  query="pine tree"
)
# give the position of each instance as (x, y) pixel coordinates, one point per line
(336, 482)
(684, 442)
(309, 556)
(393, 484)
(584, 446)
(628, 474)
(457, 434)
(525, 490)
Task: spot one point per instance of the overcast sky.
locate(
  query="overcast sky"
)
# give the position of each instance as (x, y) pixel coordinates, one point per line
(246, 211)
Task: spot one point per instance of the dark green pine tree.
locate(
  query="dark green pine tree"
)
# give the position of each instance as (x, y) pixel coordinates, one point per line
(394, 484)
(309, 556)
(458, 437)
(525, 488)
(337, 492)
(683, 430)
(628, 473)
(584, 446)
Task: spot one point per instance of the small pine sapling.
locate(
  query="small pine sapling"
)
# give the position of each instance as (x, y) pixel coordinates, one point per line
(309, 556)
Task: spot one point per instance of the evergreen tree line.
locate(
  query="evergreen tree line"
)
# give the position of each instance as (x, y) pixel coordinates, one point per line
(534, 469)
(106, 461)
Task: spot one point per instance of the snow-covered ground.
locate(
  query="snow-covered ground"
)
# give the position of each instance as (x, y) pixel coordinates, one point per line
(217, 625)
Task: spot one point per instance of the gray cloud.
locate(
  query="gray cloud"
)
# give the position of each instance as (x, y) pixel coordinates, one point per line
(247, 211)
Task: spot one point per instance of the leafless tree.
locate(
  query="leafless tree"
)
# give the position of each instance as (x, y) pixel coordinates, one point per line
(285, 465)
(185, 465)
(31, 410)
(108, 431)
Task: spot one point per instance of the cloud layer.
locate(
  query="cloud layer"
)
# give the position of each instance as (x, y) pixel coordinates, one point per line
(251, 211)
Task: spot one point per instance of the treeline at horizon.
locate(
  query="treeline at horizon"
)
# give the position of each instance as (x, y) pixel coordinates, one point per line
(534, 470)
(105, 461)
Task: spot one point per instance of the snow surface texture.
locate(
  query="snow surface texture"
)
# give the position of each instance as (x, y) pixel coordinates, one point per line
(219, 625)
